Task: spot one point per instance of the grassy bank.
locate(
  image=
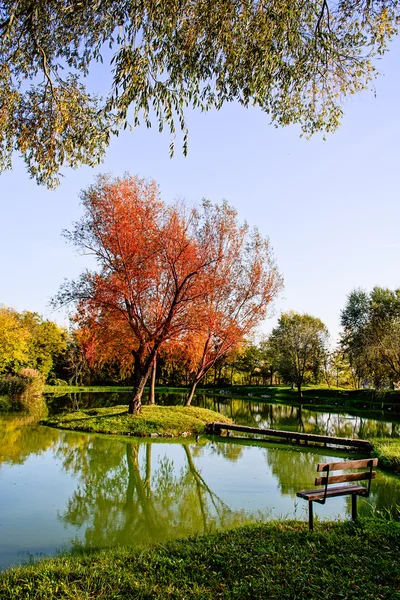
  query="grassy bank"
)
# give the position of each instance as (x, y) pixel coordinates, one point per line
(277, 561)
(152, 420)
(388, 452)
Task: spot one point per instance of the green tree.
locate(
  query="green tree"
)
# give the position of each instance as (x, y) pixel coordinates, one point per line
(26, 340)
(300, 342)
(371, 334)
(248, 361)
(269, 362)
(295, 60)
(340, 370)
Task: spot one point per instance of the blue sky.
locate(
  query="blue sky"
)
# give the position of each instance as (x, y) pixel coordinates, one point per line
(330, 208)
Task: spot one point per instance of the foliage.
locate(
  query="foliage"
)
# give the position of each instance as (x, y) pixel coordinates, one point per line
(371, 335)
(241, 283)
(300, 344)
(162, 420)
(338, 369)
(12, 385)
(280, 561)
(14, 342)
(163, 274)
(48, 342)
(295, 60)
(26, 340)
(23, 391)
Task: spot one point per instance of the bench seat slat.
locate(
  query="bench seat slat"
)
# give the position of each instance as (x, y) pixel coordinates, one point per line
(342, 490)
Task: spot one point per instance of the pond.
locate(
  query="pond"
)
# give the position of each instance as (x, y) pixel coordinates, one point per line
(62, 490)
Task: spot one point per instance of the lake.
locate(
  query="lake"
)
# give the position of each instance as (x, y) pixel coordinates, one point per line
(63, 490)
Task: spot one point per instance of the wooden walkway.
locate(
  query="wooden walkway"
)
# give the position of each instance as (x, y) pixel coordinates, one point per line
(292, 436)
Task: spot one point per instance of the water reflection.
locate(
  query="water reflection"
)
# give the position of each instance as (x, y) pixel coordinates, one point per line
(135, 493)
(274, 416)
(21, 436)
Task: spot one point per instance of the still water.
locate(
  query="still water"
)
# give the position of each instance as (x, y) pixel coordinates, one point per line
(64, 489)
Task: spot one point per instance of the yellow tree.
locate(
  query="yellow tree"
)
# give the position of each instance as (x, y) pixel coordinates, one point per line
(14, 342)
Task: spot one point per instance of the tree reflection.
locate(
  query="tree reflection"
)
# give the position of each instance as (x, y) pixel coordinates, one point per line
(122, 498)
(294, 470)
(21, 436)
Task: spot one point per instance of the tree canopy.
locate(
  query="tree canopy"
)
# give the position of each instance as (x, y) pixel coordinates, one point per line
(299, 342)
(371, 334)
(295, 60)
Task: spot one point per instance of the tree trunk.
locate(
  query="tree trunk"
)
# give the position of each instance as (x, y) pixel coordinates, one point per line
(300, 393)
(135, 402)
(192, 391)
(153, 381)
(141, 376)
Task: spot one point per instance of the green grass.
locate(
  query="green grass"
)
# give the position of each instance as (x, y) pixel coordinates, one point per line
(388, 452)
(152, 420)
(278, 561)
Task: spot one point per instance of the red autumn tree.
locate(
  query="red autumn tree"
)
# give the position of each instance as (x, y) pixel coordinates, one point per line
(152, 263)
(242, 280)
(165, 274)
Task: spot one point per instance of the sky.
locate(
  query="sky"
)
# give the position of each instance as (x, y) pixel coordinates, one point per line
(330, 208)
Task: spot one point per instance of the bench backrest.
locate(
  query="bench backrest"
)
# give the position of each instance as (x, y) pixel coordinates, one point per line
(327, 479)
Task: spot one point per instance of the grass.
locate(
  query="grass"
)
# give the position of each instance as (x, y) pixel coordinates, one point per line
(388, 452)
(151, 421)
(278, 561)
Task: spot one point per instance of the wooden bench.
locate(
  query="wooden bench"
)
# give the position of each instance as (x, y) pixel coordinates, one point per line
(331, 491)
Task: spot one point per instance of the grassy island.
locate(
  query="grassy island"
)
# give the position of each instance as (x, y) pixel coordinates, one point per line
(152, 421)
(278, 561)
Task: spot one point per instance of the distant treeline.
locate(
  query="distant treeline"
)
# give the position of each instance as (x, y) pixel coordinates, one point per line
(296, 352)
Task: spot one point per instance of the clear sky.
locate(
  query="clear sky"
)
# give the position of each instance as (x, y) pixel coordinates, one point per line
(330, 208)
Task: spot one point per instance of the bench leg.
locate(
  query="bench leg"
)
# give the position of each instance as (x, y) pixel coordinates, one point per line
(354, 507)
(310, 515)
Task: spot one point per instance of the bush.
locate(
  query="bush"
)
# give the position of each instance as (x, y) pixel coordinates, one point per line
(23, 391)
(12, 386)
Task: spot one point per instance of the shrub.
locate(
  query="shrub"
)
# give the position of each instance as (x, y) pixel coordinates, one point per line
(23, 391)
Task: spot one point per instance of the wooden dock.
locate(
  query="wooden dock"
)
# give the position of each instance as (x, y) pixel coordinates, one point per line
(216, 428)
